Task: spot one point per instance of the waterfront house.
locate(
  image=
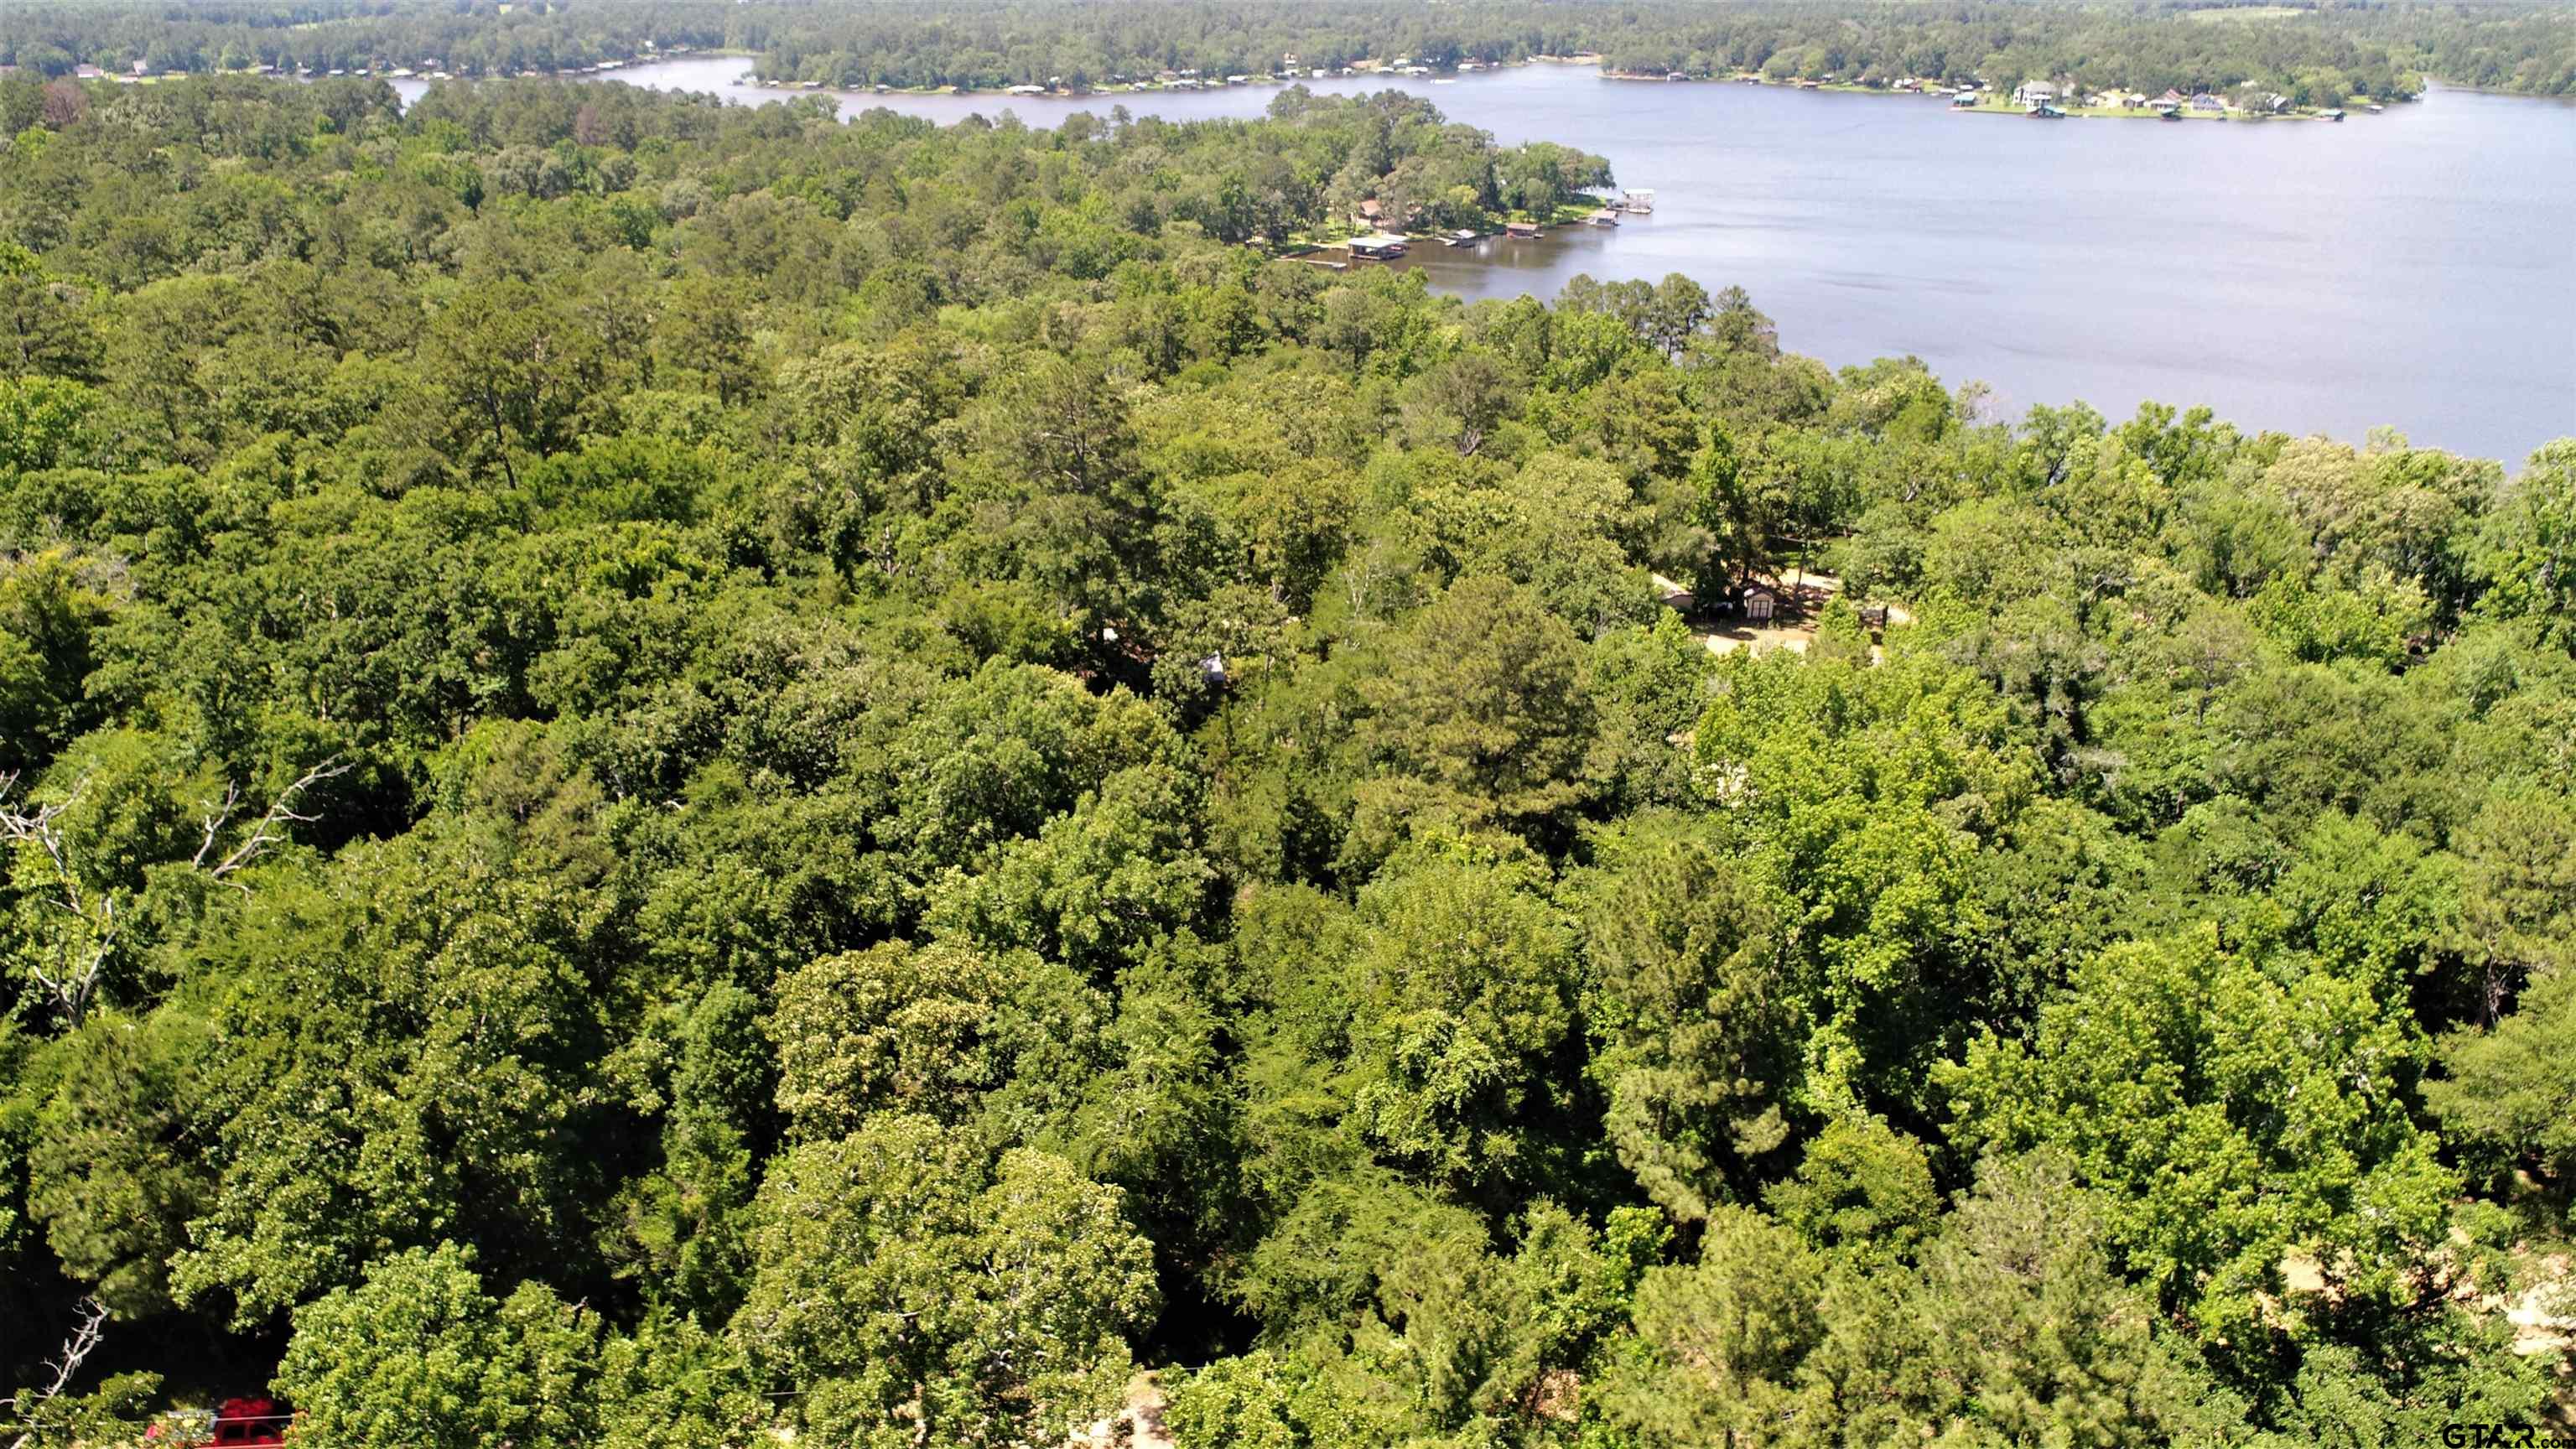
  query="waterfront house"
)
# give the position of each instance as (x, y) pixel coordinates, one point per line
(2208, 104)
(2035, 93)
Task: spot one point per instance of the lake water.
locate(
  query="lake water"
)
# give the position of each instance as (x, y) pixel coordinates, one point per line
(2416, 268)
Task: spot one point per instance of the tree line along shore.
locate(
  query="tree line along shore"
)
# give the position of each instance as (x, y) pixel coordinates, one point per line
(2367, 53)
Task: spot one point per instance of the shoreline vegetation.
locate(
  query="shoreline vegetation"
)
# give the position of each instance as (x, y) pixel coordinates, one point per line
(2315, 56)
(1987, 101)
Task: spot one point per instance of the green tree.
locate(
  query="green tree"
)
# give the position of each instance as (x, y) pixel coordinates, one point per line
(1481, 709)
(420, 1353)
(2509, 1092)
(2229, 1120)
(2527, 551)
(913, 1290)
(1716, 1347)
(1696, 1022)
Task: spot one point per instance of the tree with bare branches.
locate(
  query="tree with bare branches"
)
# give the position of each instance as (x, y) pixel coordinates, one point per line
(82, 922)
(28, 1405)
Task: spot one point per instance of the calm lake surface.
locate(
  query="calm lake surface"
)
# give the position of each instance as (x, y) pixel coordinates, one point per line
(2416, 268)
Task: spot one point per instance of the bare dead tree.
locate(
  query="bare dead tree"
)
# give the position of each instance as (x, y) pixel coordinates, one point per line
(271, 828)
(84, 1341)
(91, 920)
(81, 951)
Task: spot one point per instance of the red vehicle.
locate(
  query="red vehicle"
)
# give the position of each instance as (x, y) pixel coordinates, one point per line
(251, 1419)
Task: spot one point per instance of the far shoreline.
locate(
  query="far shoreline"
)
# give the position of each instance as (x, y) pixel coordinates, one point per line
(1193, 85)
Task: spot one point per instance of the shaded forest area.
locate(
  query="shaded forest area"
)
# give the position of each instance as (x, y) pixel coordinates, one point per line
(674, 771)
(2321, 53)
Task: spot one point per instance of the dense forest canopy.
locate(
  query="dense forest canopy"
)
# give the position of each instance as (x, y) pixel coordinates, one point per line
(2316, 50)
(674, 771)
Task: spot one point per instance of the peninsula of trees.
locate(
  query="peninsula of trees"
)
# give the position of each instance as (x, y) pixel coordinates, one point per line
(672, 772)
